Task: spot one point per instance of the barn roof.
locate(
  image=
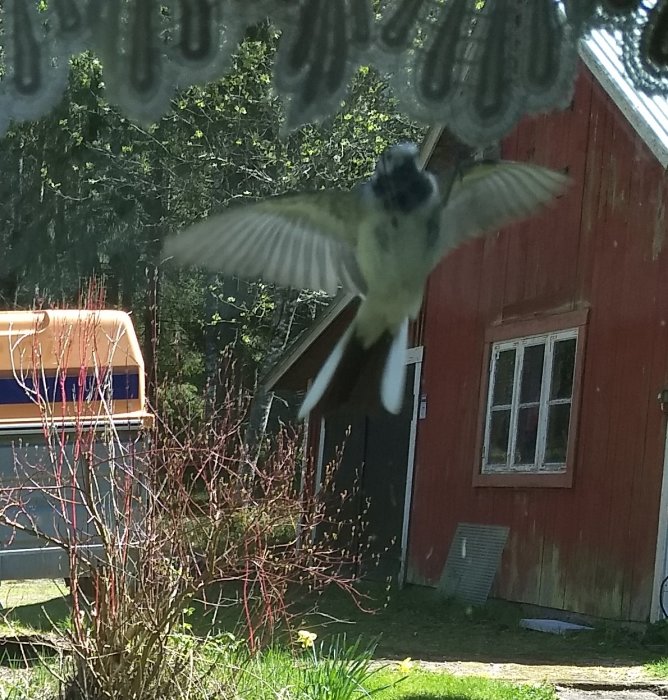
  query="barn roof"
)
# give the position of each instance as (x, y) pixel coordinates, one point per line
(281, 374)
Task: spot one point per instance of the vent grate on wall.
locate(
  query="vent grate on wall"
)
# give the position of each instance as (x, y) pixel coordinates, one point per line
(472, 562)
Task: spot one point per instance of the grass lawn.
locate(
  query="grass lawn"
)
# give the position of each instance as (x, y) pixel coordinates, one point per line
(412, 623)
(279, 671)
(417, 623)
(32, 606)
(658, 668)
(424, 685)
(658, 637)
(15, 593)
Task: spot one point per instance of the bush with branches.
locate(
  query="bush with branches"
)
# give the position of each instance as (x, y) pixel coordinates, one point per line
(153, 522)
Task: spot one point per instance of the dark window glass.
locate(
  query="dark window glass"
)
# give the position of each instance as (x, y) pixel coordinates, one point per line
(527, 431)
(557, 433)
(532, 373)
(562, 369)
(498, 437)
(503, 379)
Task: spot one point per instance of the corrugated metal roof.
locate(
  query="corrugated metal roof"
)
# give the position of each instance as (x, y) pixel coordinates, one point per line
(602, 52)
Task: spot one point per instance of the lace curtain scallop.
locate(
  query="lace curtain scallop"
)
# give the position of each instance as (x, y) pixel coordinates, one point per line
(476, 66)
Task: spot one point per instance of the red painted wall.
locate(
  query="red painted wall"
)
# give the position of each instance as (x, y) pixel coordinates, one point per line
(589, 548)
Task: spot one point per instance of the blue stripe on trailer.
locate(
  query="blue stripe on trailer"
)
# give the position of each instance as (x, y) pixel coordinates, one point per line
(124, 386)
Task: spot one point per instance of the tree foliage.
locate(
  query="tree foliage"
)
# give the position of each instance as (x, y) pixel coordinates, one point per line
(85, 192)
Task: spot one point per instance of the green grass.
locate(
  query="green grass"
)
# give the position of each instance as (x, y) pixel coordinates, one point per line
(33, 606)
(419, 685)
(657, 638)
(36, 683)
(412, 623)
(279, 673)
(416, 622)
(18, 593)
(658, 668)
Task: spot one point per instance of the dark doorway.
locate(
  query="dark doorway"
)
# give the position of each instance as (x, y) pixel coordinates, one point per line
(373, 465)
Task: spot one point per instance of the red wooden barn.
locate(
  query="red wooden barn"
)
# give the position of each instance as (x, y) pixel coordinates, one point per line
(535, 375)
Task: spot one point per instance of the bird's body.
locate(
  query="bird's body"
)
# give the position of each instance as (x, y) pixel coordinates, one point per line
(380, 241)
(392, 246)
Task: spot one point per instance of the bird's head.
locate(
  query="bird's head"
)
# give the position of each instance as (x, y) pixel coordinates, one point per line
(397, 159)
(398, 181)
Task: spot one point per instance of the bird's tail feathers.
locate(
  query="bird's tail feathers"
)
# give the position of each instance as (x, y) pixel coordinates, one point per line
(393, 381)
(324, 376)
(361, 378)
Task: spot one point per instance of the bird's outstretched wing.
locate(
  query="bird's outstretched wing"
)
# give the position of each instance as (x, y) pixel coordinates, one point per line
(302, 240)
(491, 195)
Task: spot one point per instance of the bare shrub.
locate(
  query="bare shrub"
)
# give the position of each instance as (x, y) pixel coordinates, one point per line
(151, 521)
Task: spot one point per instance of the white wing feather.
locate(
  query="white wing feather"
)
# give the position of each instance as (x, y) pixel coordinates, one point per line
(304, 241)
(493, 195)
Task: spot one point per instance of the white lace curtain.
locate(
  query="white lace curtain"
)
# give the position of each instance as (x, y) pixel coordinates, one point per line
(474, 65)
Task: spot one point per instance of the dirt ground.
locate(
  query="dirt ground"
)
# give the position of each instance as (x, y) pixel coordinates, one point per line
(538, 673)
(630, 694)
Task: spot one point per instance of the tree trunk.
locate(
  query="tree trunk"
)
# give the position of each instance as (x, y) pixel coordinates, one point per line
(156, 206)
(261, 403)
(211, 347)
(151, 332)
(220, 331)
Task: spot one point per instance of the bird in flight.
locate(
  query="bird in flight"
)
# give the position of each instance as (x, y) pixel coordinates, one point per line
(378, 241)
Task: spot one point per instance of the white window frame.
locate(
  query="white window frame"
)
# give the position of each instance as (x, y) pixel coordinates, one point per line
(539, 465)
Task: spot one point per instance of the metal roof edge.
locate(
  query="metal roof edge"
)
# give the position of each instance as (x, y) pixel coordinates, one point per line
(136, 419)
(304, 342)
(645, 114)
(429, 143)
(598, 60)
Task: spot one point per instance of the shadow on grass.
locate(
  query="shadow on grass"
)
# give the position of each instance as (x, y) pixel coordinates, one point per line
(47, 616)
(417, 622)
(414, 622)
(26, 651)
(28, 633)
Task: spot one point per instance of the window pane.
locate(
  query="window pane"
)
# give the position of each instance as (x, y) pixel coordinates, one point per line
(562, 369)
(527, 430)
(503, 380)
(557, 433)
(498, 437)
(532, 373)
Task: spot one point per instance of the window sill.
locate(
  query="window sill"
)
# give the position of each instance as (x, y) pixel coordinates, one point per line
(523, 480)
